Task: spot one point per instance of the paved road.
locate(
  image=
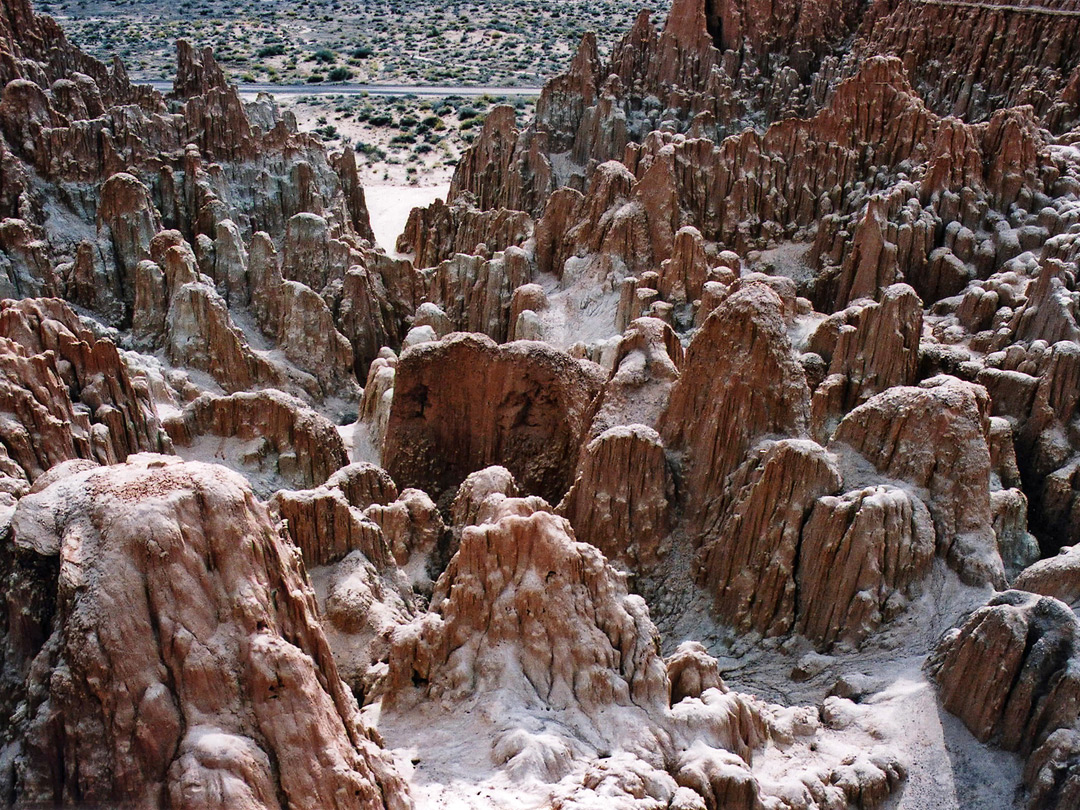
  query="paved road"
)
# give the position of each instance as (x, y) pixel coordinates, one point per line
(370, 89)
(1034, 9)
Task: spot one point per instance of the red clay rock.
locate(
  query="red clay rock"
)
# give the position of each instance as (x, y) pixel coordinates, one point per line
(935, 437)
(436, 233)
(748, 561)
(740, 381)
(622, 498)
(68, 393)
(1008, 671)
(145, 687)
(464, 403)
(862, 552)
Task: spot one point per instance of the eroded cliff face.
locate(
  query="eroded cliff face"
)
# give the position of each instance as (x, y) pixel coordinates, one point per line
(653, 478)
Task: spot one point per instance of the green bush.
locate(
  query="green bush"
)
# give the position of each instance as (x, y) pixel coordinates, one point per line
(315, 78)
(324, 56)
(339, 74)
(271, 50)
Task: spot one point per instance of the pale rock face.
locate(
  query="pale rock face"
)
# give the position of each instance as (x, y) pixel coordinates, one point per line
(691, 670)
(476, 291)
(157, 696)
(777, 481)
(128, 219)
(413, 527)
(375, 404)
(440, 231)
(480, 495)
(533, 634)
(611, 662)
(870, 347)
(272, 436)
(645, 366)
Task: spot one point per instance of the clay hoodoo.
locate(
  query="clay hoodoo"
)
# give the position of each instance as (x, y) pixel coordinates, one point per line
(464, 403)
(238, 712)
(515, 592)
(745, 366)
(901, 433)
(623, 492)
(66, 392)
(740, 381)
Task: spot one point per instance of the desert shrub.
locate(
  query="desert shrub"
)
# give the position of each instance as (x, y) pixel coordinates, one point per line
(339, 74)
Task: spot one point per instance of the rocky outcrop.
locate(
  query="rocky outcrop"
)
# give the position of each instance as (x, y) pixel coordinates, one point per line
(740, 382)
(1009, 671)
(297, 319)
(480, 496)
(644, 369)
(436, 233)
(248, 712)
(623, 496)
(750, 556)
(66, 393)
(1057, 576)
(861, 554)
(501, 171)
(528, 623)
(1003, 60)
(475, 293)
(326, 527)
(870, 347)
(1051, 772)
(612, 651)
(934, 437)
(364, 484)
(266, 433)
(464, 403)
(413, 528)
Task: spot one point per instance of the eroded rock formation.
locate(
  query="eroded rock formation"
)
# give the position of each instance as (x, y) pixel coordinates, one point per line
(770, 313)
(464, 403)
(248, 712)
